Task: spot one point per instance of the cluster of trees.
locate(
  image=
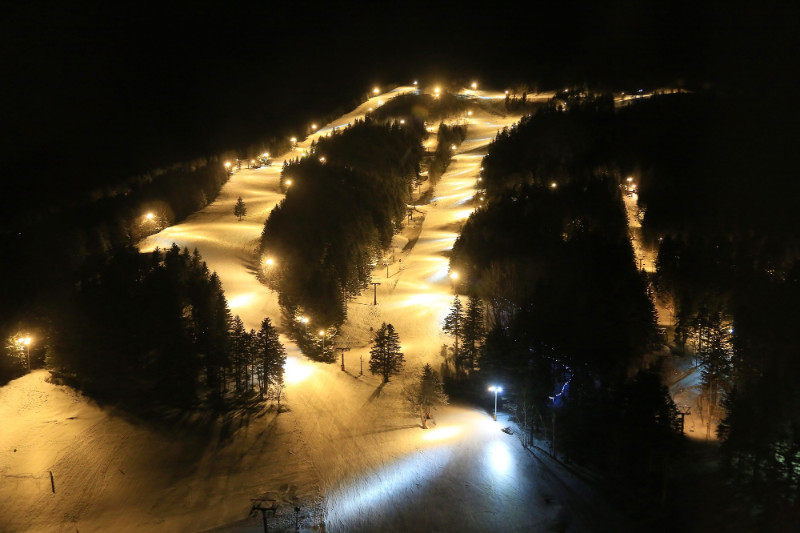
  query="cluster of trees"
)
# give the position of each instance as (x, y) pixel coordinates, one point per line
(343, 204)
(552, 145)
(718, 191)
(566, 310)
(467, 326)
(155, 329)
(716, 196)
(79, 236)
(446, 138)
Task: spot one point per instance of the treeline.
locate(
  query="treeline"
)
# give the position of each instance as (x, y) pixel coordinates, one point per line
(719, 187)
(343, 204)
(447, 137)
(552, 145)
(717, 190)
(567, 311)
(154, 330)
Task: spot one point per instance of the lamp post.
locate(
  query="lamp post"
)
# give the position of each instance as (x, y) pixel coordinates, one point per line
(495, 390)
(322, 334)
(27, 343)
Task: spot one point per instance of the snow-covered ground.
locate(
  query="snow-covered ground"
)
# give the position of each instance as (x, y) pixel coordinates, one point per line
(345, 440)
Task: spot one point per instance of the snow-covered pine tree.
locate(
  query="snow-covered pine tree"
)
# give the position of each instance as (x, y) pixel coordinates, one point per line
(454, 325)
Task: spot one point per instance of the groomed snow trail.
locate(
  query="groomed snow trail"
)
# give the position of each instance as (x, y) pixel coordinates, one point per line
(345, 435)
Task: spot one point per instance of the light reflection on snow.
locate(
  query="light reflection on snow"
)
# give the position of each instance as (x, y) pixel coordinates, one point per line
(425, 298)
(441, 433)
(442, 273)
(295, 370)
(241, 300)
(498, 457)
(381, 488)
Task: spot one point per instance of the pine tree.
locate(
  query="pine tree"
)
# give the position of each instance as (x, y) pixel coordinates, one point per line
(425, 395)
(238, 348)
(454, 325)
(473, 331)
(271, 358)
(240, 209)
(385, 356)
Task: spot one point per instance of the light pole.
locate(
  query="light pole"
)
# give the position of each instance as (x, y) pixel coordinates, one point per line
(495, 390)
(322, 334)
(26, 342)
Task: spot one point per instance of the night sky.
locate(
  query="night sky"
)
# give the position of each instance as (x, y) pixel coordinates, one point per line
(94, 94)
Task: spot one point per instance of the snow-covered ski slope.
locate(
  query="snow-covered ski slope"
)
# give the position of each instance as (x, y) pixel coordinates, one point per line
(345, 441)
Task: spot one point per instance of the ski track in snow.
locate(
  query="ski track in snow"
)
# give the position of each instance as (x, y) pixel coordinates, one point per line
(345, 437)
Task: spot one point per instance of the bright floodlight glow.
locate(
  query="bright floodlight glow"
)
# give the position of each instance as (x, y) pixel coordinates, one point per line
(352, 503)
(436, 90)
(321, 333)
(252, 161)
(313, 126)
(402, 121)
(375, 90)
(494, 388)
(269, 262)
(265, 154)
(630, 179)
(295, 371)
(453, 275)
(469, 113)
(304, 320)
(474, 85)
(26, 340)
(441, 433)
(499, 458)
(553, 185)
(452, 146)
(149, 216)
(506, 92)
(415, 82)
(293, 139)
(227, 164)
(287, 182)
(241, 300)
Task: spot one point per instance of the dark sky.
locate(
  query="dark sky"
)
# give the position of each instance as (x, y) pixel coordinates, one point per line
(95, 93)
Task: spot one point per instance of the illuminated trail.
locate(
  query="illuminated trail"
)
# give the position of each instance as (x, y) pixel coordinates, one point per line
(375, 467)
